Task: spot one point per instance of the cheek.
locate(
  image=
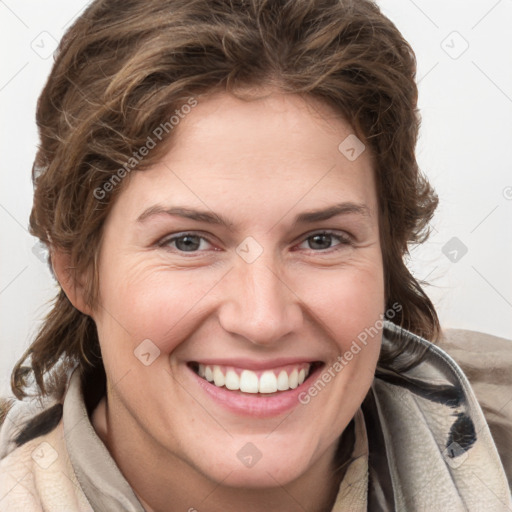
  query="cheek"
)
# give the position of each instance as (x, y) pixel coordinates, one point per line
(156, 304)
(345, 301)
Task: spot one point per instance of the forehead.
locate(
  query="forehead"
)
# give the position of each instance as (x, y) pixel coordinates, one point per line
(278, 150)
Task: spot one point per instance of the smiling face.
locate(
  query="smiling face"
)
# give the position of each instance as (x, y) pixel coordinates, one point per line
(249, 256)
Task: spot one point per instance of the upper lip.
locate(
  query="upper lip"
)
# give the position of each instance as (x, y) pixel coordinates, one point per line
(254, 364)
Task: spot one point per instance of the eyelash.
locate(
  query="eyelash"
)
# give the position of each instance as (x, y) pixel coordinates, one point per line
(343, 240)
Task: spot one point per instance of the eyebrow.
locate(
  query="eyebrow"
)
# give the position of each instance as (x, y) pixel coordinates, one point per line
(308, 217)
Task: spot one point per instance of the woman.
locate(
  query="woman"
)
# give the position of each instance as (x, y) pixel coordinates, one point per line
(228, 190)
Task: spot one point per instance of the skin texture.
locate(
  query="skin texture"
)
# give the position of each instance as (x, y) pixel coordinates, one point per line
(257, 164)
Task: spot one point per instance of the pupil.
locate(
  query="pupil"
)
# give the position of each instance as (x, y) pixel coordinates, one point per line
(320, 242)
(188, 243)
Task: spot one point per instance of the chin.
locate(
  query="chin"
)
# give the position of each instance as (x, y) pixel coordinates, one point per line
(256, 464)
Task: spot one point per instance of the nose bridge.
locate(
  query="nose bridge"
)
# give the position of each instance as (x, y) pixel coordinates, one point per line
(260, 306)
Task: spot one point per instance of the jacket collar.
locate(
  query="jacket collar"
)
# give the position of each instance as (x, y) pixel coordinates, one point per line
(429, 443)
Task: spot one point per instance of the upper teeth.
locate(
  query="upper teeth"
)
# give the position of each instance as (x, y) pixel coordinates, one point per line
(270, 381)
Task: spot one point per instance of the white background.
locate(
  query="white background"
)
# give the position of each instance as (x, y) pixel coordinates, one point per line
(465, 149)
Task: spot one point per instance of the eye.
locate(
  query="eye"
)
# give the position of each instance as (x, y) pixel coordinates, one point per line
(186, 242)
(191, 242)
(324, 241)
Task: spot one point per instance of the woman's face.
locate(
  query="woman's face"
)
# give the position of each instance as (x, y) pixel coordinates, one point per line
(250, 254)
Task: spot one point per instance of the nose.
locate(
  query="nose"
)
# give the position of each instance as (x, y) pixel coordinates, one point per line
(259, 305)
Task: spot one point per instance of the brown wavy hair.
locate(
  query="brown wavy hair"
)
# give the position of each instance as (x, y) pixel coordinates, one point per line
(126, 65)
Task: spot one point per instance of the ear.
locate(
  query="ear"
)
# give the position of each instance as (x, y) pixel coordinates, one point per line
(74, 290)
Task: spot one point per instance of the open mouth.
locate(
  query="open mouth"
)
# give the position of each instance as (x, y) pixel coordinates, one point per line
(263, 382)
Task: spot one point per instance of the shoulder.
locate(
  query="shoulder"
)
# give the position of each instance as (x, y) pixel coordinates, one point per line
(476, 351)
(430, 418)
(35, 470)
(38, 476)
(22, 421)
(486, 361)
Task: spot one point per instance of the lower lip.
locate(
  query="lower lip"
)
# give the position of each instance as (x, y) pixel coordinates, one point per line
(254, 404)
